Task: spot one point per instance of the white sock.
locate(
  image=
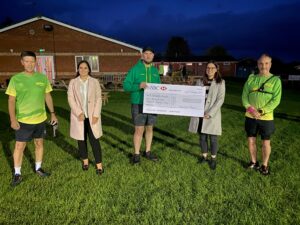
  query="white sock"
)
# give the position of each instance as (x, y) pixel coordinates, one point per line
(38, 165)
(18, 170)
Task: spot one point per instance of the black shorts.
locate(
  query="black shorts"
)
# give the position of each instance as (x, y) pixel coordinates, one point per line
(27, 132)
(254, 127)
(142, 119)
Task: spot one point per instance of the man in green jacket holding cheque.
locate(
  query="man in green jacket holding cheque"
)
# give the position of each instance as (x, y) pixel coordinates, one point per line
(135, 83)
(261, 95)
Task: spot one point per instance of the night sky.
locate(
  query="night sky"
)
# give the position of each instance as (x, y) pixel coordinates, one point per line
(246, 28)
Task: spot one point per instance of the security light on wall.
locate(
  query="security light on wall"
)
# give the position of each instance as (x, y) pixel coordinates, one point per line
(32, 32)
(48, 27)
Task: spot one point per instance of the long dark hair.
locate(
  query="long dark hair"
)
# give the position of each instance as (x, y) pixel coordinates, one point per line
(217, 76)
(88, 65)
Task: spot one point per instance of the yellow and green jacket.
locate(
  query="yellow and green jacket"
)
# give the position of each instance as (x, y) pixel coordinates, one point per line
(267, 99)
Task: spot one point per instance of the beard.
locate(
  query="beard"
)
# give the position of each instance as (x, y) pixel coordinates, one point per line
(147, 62)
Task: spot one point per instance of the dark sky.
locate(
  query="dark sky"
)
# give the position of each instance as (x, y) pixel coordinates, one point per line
(246, 28)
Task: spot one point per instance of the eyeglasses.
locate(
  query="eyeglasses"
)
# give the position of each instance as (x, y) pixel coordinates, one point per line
(211, 68)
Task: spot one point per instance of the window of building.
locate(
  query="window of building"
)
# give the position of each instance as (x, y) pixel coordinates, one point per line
(93, 61)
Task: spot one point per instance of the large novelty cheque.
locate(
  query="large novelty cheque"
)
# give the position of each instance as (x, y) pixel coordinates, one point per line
(180, 100)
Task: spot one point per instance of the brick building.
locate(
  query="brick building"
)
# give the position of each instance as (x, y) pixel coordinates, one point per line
(60, 47)
(196, 65)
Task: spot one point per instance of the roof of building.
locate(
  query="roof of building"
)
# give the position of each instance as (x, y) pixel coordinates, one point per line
(70, 27)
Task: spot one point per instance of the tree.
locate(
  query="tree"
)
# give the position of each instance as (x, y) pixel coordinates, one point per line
(216, 50)
(177, 47)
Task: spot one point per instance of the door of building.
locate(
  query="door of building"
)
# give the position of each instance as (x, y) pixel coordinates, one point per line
(45, 65)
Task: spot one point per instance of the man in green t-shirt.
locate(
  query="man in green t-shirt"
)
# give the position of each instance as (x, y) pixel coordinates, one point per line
(135, 82)
(28, 91)
(261, 95)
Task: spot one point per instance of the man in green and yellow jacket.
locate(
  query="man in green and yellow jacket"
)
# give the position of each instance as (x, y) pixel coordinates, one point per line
(261, 95)
(135, 83)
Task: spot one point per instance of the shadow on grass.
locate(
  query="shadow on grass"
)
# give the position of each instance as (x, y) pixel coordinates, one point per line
(7, 135)
(126, 122)
(60, 139)
(240, 161)
(158, 130)
(276, 115)
(287, 117)
(30, 158)
(234, 107)
(61, 143)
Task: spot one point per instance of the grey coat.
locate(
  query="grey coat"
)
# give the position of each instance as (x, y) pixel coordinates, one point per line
(214, 101)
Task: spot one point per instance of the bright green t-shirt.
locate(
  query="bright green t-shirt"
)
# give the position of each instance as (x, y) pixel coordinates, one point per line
(29, 91)
(267, 102)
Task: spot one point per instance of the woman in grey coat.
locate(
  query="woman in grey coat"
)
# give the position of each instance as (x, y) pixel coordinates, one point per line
(209, 127)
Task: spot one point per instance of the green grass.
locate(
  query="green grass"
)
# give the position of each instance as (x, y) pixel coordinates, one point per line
(176, 190)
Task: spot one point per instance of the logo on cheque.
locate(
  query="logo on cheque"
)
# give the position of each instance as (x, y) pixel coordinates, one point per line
(163, 88)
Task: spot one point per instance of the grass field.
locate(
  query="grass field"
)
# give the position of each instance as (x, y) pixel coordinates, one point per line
(176, 190)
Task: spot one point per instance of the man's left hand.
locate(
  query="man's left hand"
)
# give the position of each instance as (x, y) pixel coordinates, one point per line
(53, 120)
(143, 85)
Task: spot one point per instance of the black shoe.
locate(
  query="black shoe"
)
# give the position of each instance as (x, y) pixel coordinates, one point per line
(17, 178)
(149, 155)
(213, 163)
(99, 171)
(202, 160)
(42, 173)
(85, 166)
(253, 165)
(264, 170)
(136, 158)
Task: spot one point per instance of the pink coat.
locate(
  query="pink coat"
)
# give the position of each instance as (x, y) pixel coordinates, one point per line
(94, 107)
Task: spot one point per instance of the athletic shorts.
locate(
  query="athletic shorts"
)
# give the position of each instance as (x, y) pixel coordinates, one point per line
(27, 132)
(254, 127)
(142, 119)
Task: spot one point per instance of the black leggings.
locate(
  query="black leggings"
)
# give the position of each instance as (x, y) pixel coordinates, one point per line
(213, 143)
(82, 145)
(204, 140)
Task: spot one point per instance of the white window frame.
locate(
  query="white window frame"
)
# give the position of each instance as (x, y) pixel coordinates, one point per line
(89, 60)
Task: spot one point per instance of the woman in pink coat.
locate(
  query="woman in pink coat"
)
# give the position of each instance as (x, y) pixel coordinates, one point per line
(84, 97)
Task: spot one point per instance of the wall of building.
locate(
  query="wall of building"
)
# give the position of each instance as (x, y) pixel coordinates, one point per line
(64, 44)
